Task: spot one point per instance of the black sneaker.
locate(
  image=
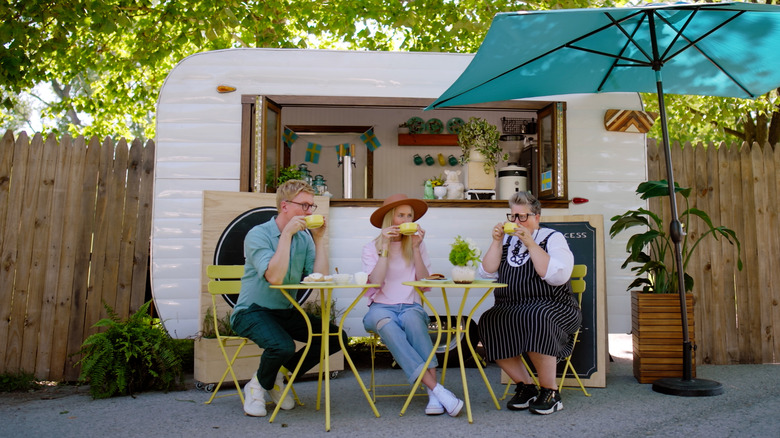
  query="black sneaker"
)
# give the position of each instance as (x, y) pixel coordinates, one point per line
(524, 395)
(548, 401)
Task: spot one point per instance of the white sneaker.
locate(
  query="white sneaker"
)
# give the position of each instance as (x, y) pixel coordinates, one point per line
(276, 394)
(434, 406)
(254, 399)
(451, 404)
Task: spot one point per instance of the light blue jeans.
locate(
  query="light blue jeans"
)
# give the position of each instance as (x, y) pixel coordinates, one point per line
(404, 329)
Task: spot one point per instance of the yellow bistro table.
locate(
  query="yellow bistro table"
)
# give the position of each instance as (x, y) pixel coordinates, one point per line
(456, 331)
(326, 298)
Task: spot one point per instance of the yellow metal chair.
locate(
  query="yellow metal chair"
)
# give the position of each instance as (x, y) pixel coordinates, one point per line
(226, 280)
(376, 346)
(578, 287)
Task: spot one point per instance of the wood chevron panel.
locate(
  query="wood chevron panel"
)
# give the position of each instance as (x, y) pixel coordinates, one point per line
(629, 120)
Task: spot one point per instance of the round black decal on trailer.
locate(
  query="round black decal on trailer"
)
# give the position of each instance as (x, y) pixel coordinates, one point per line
(230, 246)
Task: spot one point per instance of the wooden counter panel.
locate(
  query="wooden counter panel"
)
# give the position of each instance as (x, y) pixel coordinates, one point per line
(449, 203)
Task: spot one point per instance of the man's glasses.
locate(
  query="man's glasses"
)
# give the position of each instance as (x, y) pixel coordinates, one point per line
(311, 208)
(522, 217)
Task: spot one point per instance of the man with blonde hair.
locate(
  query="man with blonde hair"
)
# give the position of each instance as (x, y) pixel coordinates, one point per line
(280, 251)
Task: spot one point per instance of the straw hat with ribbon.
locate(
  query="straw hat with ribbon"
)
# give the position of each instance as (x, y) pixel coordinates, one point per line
(418, 205)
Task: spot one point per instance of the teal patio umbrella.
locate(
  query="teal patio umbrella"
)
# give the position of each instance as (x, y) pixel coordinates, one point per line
(711, 49)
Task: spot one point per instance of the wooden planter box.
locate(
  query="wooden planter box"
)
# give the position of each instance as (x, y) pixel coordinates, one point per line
(656, 328)
(209, 363)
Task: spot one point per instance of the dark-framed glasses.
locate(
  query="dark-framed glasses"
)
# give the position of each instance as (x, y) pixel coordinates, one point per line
(311, 208)
(522, 217)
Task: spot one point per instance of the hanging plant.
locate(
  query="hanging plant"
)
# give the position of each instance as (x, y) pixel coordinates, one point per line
(481, 136)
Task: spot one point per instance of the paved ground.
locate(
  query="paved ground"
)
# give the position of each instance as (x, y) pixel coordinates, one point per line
(750, 407)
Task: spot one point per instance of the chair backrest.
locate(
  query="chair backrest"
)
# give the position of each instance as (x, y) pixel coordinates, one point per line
(578, 281)
(224, 279)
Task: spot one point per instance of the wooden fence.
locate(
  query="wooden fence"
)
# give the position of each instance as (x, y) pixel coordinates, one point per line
(75, 218)
(737, 313)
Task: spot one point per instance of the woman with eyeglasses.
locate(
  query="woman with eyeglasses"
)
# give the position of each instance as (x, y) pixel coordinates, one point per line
(537, 313)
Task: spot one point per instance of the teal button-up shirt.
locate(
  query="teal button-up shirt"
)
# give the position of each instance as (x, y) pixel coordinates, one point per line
(259, 247)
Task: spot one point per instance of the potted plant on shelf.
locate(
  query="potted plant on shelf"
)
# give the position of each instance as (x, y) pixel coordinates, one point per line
(478, 140)
(656, 320)
(437, 183)
(464, 256)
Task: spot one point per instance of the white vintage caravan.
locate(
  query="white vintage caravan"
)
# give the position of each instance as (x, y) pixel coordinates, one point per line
(221, 114)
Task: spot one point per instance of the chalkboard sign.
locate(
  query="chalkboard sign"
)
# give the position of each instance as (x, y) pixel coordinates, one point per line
(582, 238)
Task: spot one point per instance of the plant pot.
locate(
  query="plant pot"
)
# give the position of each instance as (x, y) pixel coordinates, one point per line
(440, 192)
(463, 274)
(656, 327)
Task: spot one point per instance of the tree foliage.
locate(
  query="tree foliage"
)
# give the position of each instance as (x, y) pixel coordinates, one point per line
(716, 119)
(105, 61)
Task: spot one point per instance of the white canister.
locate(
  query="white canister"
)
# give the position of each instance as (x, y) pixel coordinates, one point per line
(512, 179)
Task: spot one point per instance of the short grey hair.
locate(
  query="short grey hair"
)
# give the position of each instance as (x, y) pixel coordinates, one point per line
(525, 198)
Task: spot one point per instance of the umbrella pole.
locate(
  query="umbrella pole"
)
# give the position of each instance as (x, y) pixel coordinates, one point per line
(687, 386)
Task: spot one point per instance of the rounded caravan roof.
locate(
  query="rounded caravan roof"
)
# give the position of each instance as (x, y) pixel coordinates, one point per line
(199, 136)
(308, 72)
(198, 139)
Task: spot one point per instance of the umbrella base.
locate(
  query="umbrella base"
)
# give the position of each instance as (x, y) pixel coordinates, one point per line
(688, 388)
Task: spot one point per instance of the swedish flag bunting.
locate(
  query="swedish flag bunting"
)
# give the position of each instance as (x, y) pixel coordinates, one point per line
(369, 138)
(289, 137)
(313, 153)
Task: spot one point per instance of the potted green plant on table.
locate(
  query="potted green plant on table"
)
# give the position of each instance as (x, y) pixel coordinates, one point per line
(656, 319)
(478, 140)
(464, 256)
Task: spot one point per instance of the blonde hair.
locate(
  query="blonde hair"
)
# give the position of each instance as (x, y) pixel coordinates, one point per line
(406, 241)
(290, 189)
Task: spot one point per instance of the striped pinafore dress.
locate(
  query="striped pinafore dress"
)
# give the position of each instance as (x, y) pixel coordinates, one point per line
(529, 314)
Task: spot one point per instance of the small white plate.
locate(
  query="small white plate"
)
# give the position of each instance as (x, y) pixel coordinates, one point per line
(443, 280)
(320, 283)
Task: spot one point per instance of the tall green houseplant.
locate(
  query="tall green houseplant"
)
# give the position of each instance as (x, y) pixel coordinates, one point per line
(652, 250)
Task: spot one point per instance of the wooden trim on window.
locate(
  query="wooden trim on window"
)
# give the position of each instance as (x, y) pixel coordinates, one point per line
(369, 173)
(437, 203)
(246, 168)
(329, 129)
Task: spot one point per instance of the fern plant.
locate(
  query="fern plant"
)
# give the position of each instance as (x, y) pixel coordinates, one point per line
(130, 356)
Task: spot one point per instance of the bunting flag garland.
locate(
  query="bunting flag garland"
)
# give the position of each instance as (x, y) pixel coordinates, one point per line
(369, 138)
(313, 152)
(289, 137)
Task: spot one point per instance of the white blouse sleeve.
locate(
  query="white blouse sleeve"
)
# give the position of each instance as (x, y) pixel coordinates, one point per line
(561, 260)
(485, 274)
